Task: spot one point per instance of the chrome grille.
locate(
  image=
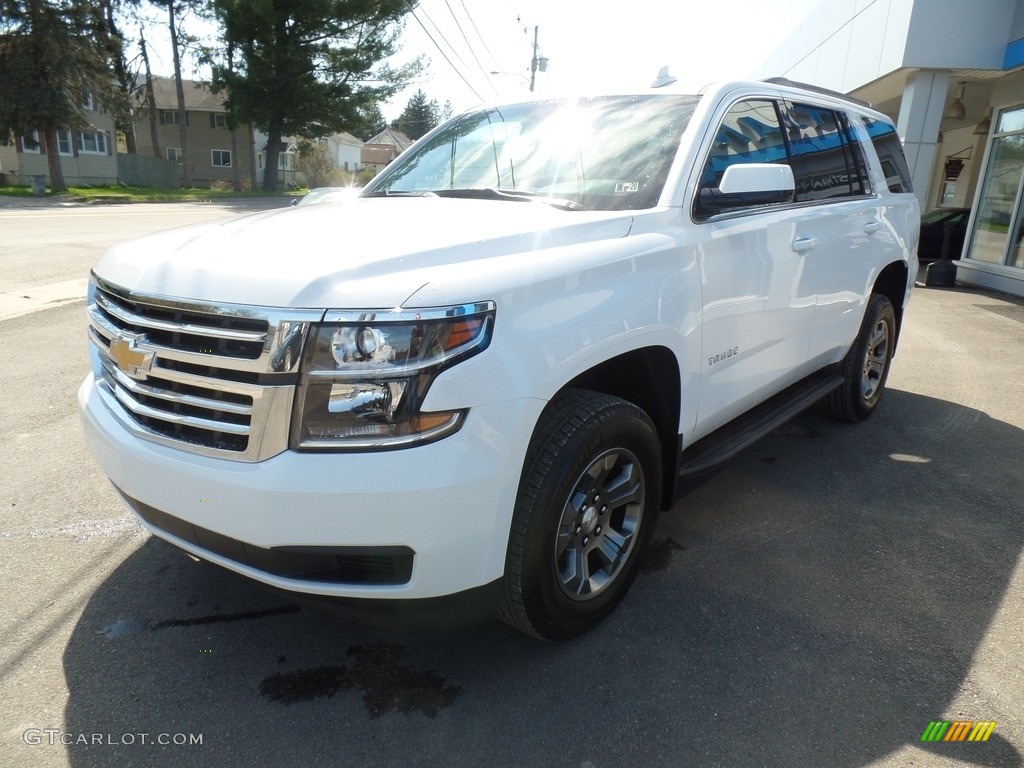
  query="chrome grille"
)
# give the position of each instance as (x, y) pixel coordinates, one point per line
(211, 379)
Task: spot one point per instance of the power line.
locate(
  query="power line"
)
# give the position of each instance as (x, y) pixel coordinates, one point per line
(469, 45)
(477, 30)
(412, 12)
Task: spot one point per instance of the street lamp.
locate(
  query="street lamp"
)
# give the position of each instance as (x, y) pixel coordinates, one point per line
(536, 63)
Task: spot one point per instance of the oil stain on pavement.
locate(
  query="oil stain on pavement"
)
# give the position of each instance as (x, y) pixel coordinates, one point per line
(376, 670)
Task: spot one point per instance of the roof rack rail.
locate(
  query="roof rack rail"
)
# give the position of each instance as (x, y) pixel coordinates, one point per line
(817, 89)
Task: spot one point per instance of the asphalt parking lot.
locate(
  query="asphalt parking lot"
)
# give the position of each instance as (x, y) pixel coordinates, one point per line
(815, 602)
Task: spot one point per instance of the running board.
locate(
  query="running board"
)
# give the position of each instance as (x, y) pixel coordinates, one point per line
(730, 439)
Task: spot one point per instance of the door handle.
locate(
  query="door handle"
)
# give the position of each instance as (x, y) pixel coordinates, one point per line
(804, 244)
(872, 226)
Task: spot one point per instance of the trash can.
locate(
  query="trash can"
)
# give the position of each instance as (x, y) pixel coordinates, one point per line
(38, 184)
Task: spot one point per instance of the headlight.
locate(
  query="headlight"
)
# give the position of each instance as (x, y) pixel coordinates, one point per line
(364, 375)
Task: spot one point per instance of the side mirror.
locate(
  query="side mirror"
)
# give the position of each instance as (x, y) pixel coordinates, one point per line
(747, 185)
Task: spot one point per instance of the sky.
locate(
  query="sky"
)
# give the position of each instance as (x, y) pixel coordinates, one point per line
(591, 46)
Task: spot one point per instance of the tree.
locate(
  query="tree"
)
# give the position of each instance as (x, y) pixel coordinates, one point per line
(150, 96)
(419, 116)
(307, 68)
(179, 89)
(120, 96)
(315, 162)
(49, 57)
(371, 122)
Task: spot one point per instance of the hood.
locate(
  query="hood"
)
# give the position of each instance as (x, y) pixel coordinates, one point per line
(367, 253)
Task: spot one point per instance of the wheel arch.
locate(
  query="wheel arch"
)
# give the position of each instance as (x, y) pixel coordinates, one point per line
(650, 379)
(892, 283)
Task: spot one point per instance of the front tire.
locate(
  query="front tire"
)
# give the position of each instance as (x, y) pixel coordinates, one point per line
(866, 366)
(588, 500)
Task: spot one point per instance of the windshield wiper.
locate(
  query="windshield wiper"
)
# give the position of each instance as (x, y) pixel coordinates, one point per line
(514, 195)
(400, 193)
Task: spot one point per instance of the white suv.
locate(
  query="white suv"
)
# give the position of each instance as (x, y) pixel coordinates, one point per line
(487, 375)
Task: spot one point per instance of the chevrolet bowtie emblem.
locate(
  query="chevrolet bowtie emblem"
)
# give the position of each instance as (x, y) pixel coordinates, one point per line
(129, 358)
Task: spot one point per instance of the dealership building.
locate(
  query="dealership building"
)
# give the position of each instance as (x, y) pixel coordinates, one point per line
(951, 74)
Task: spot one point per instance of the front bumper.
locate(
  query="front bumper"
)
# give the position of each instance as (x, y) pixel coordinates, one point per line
(448, 503)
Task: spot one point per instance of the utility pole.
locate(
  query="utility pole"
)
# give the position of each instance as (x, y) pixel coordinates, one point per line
(533, 61)
(537, 62)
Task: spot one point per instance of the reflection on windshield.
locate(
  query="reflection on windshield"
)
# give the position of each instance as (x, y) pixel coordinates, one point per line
(609, 153)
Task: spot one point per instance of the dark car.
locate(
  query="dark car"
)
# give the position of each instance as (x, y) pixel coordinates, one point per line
(933, 232)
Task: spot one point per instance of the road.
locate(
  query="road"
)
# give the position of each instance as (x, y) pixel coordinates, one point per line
(815, 602)
(48, 251)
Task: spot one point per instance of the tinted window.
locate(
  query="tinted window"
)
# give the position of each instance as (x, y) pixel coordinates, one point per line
(750, 132)
(890, 154)
(822, 164)
(859, 178)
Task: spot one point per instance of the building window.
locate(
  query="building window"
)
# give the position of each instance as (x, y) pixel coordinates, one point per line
(284, 161)
(220, 158)
(170, 117)
(30, 143)
(64, 143)
(87, 100)
(218, 120)
(174, 153)
(92, 142)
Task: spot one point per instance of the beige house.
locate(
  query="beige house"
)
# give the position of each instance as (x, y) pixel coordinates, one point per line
(211, 157)
(383, 148)
(87, 155)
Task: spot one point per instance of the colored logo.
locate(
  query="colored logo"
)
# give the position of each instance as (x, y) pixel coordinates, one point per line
(958, 730)
(128, 357)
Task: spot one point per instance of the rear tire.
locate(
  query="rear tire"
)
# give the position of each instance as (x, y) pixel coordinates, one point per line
(866, 366)
(588, 500)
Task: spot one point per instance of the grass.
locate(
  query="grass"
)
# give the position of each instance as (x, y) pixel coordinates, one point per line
(146, 195)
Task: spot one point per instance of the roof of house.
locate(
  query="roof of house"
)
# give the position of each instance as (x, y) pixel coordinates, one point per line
(346, 138)
(378, 154)
(198, 97)
(391, 136)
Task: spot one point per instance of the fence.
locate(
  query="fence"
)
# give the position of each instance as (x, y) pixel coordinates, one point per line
(140, 171)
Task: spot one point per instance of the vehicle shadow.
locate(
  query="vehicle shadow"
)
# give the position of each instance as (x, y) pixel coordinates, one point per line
(816, 602)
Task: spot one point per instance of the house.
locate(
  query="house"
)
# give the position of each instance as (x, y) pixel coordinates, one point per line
(346, 151)
(211, 156)
(287, 173)
(87, 155)
(383, 148)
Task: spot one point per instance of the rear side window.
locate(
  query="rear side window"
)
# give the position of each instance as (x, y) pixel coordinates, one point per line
(890, 154)
(826, 164)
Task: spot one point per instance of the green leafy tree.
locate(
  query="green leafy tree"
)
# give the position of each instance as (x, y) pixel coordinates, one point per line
(50, 54)
(371, 122)
(314, 161)
(307, 68)
(417, 117)
(421, 116)
(121, 96)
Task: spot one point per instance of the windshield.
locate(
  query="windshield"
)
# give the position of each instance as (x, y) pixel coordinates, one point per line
(609, 153)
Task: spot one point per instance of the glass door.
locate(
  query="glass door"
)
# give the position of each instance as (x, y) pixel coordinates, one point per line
(995, 238)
